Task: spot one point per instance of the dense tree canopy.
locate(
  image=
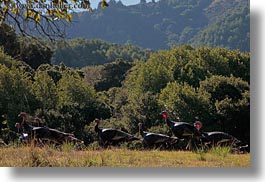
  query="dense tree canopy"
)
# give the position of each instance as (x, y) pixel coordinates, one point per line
(57, 94)
(210, 84)
(81, 52)
(30, 50)
(15, 94)
(107, 76)
(8, 39)
(183, 81)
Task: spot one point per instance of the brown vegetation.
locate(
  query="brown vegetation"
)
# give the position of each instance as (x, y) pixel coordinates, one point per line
(67, 157)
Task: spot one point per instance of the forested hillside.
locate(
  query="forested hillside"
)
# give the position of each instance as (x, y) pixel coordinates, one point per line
(154, 25)
(159, 25)
(81, 52)
(211, 84)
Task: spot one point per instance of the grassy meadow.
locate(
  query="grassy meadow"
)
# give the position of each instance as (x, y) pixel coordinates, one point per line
(67, 157)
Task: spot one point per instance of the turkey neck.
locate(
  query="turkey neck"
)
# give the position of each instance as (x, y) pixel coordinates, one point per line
(169, 122)
(26, 126)
(97, 129)
(141, 131)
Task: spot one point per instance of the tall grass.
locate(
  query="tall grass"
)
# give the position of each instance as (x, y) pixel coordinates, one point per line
(221, 151)
(202, 154)
(217, 151)
(116, 157)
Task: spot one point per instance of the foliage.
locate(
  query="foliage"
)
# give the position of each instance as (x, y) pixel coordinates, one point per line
(73, 91)
(9, 40)
(57, 94)
(209, 83)
(77, 101)
(124, 84)
(44, 89)
(186, 102)
(230, 98)
(5, 59)
(107, 76)
(30, 50)
(81, 52)
(35, 52)
(166, 23)
(55, 72)
(237, 36)
(42, 17)
(164, 82)
(15, 95)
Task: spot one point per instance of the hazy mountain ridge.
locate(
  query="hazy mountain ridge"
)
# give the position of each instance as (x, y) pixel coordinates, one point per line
(159, 25)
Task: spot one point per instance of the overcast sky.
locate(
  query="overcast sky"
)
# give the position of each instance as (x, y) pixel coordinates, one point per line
(94, 3)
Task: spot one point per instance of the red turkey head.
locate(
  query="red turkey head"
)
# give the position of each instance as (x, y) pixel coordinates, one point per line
(17, 125)
(97, 120)
(37, 120)
(164, 114)
(23, 115)
(140, 125)
(198, 125)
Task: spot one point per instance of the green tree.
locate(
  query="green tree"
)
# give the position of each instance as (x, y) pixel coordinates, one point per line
(230, 98)
(112, 75)
(221, 61)
(78, 103)
(55, 72)
(5, 59)
(32, 51)
(141, 107)
(80, 52)
(193, 72)
(185, 101)
(15, 95)
(9, 40)
(73, 90)
(45, 90)
(35, 53)
(156, 72)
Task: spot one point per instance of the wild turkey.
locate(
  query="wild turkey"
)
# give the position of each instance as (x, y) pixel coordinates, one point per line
(25, 129)
(184, 130)
(23, 137)
(112, 136)
(49, 135)
(156, 140)
(37, 122)
(218, 138)
(43, 134)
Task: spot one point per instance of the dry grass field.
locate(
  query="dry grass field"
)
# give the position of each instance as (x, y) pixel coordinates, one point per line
(67, 157)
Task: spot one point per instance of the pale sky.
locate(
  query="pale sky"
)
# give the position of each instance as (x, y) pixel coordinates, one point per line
(94, 3)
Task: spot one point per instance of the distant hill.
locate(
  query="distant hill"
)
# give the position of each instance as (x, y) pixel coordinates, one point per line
(159, 25)
(81, 52)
